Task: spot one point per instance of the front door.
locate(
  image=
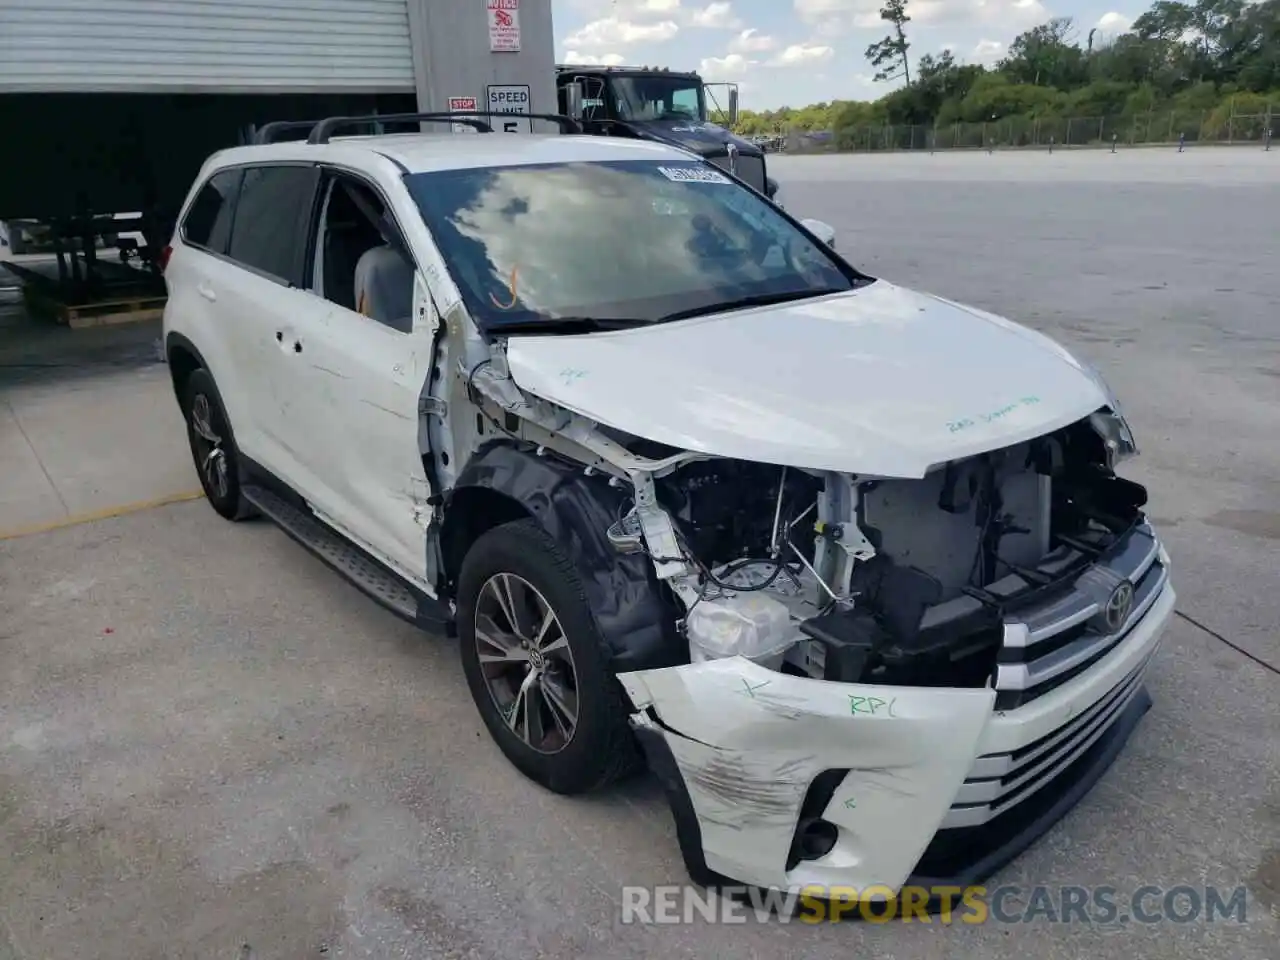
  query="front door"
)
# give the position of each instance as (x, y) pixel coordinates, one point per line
(368, 360)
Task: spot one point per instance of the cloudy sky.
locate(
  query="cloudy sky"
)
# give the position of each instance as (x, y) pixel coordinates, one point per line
(796, 52)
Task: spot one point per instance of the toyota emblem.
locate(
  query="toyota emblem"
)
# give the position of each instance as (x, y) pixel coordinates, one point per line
(1116, 612)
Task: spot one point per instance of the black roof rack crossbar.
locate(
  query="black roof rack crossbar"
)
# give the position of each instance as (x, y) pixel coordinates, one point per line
(269, 131)
(566, 123)
(324, 130)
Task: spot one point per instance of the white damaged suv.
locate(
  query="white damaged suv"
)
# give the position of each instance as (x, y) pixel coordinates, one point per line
(849, 565)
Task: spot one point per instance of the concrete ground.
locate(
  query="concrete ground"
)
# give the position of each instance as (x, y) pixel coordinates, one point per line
(210, 746)
(87, 420)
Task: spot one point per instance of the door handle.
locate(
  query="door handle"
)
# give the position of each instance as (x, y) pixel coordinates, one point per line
(207, 292)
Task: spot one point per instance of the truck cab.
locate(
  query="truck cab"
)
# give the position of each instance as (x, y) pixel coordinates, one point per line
(650, 103)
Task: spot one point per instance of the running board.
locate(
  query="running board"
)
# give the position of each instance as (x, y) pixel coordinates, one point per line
(385, 587)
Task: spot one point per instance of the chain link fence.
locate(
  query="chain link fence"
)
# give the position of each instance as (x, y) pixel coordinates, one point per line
(1155, 127)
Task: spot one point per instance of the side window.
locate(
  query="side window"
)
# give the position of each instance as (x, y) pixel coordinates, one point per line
(685, 101)
(208, 222)
(360, 260)
(593, 107)
(272, 219)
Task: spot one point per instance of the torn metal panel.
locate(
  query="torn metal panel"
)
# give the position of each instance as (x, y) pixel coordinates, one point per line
(577, 510)
(748, 742)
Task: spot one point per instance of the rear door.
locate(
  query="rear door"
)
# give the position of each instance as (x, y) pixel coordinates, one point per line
(261, 300)
(196, 266)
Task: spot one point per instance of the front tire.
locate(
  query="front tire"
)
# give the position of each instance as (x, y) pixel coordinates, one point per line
(213, 447)
(534, 660)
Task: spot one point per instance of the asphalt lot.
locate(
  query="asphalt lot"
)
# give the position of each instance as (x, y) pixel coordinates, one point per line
(210, 746)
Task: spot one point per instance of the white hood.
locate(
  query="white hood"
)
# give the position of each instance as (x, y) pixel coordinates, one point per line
(880, 381)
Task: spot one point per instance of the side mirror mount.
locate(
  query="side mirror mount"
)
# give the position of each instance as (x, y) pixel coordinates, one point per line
(823, 231)
(573, 97)
(733, 106)
(773, 191)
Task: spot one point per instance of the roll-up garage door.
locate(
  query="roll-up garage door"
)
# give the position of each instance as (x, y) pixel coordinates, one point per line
(205, 46)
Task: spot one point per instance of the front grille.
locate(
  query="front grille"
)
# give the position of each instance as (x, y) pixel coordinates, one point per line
(1050, 644)
(1045, 645)
(998, 781)
(750, 169)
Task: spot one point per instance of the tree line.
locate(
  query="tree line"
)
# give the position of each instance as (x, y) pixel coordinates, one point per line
(1211, 58)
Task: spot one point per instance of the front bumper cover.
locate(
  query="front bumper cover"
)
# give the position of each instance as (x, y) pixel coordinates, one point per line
(747, 754)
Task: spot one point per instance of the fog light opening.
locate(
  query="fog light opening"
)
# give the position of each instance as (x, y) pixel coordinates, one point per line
(816, 838)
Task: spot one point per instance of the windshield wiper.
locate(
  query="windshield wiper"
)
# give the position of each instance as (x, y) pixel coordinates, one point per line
(755, 300)
(566, 325)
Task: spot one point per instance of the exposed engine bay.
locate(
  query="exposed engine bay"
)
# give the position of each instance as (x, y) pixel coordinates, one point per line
(845, 676)
(912, 590)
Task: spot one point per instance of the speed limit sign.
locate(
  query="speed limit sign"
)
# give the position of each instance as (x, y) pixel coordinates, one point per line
(512, 98)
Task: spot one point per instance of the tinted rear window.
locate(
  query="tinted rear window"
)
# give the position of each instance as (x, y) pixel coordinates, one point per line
(208, 222)
(271, 220)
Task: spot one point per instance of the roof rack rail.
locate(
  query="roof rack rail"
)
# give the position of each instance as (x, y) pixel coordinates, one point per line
(324, 130)
(268, 132)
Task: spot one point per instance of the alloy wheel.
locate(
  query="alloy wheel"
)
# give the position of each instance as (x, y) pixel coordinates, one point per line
(211, 458)
(526, 662)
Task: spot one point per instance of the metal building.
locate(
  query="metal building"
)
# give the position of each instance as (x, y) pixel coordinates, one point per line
(113, 105)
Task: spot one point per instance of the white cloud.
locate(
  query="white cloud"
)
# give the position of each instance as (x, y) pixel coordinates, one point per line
(799, 53)
(717, 16)
(628, 9)
(589, 59)
(751, 40)
(612, 32)
(988, 50)
(839, 15)
(1113, 21)
(728, 67)
(836, 16)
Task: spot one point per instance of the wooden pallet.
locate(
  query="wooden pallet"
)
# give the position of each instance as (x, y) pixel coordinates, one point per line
(111, 312)
(103, 313)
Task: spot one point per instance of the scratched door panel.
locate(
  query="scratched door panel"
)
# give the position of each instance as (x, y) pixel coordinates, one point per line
(364, 380)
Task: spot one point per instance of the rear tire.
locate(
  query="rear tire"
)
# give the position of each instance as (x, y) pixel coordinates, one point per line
(213, 447)
(552, 705)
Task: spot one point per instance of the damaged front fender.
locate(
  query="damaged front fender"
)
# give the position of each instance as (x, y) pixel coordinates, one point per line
(751, 758)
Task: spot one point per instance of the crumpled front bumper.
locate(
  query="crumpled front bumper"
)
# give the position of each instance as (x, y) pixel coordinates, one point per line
(750, 756)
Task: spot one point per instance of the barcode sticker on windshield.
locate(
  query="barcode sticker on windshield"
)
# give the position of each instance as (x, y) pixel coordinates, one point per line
(694, 175)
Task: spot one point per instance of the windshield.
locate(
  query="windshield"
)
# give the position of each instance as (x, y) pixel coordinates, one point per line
(582, 246)
(658, 98)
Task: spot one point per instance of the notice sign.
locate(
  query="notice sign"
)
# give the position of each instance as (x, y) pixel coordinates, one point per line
(504, 25)
(512, 98)
(463, 105)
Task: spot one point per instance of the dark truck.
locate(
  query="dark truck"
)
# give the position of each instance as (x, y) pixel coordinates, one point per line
(650, 103)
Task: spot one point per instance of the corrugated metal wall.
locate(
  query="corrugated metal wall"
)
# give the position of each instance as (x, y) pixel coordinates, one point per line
(196, 46)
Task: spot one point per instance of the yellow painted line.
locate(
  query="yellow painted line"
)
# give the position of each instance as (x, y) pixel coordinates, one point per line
(104, 514)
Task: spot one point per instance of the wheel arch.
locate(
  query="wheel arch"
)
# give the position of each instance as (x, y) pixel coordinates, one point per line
(508, 480)
(183, 359)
